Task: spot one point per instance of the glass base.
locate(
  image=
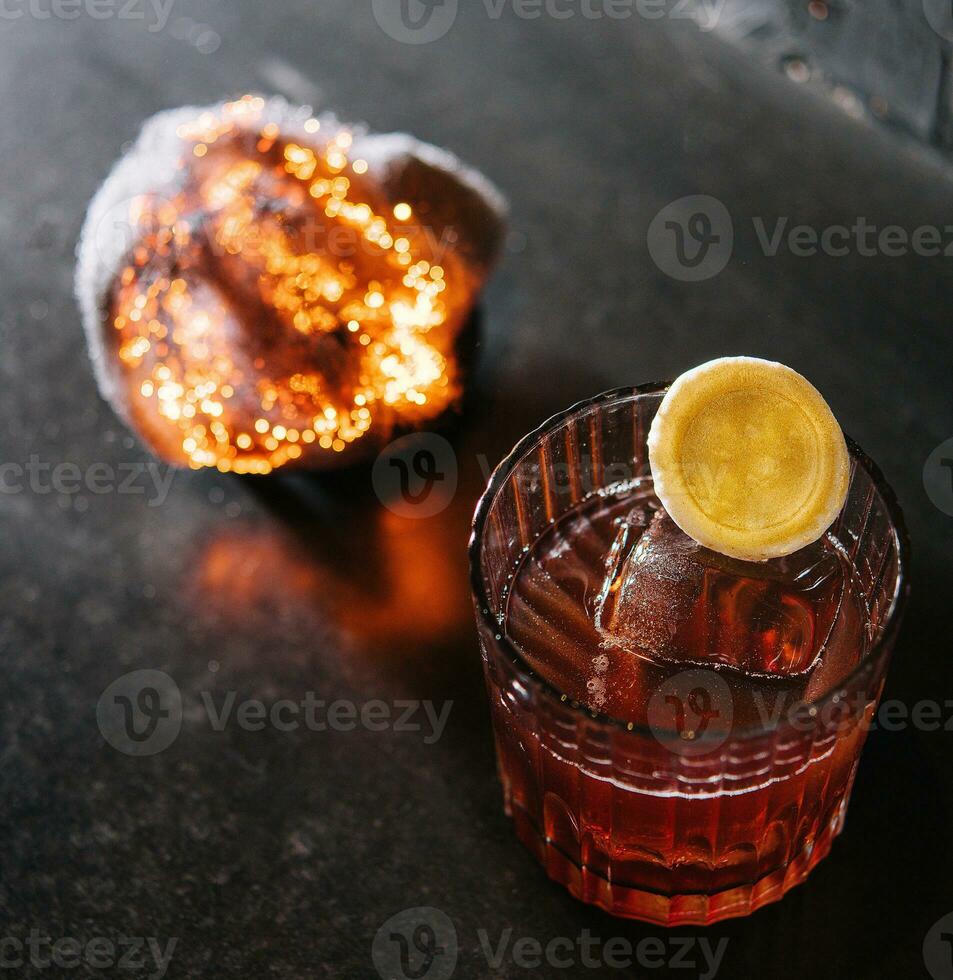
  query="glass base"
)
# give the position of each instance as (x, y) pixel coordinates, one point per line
(630, 902)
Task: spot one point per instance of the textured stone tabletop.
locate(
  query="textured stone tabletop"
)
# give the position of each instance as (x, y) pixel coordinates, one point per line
(280, 853)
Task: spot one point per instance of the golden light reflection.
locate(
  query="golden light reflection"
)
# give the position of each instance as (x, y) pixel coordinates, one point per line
(278, 306)
(411, 597)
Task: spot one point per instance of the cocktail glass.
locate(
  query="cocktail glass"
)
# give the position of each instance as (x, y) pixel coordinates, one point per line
(644, 825)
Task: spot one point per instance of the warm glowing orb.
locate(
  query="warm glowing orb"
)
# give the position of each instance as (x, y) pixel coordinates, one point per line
(264, 288)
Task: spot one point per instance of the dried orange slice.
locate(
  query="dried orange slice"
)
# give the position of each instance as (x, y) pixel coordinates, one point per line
(748, 458)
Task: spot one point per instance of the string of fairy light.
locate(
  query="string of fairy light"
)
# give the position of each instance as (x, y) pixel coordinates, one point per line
(174, 329)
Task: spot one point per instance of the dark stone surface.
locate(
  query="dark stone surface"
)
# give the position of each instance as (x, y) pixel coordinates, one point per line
(280, 854)
(883, 60)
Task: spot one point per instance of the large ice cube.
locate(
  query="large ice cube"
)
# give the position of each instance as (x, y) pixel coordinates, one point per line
(665, 597)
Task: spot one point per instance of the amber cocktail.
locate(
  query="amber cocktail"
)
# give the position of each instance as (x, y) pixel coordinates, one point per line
(706, 773)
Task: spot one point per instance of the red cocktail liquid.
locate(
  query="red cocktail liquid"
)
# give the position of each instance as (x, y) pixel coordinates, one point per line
(717, 846)
(677, 732)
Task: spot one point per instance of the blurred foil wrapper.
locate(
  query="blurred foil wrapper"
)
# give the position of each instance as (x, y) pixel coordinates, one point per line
(262, 287)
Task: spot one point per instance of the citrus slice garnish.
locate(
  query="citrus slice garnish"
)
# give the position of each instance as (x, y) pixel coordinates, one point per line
(748, 458)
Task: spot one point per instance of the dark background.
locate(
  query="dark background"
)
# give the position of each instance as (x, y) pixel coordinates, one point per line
(888, 61)
(271, 854)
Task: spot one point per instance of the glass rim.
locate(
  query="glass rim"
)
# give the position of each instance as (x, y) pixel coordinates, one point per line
(884, 642)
